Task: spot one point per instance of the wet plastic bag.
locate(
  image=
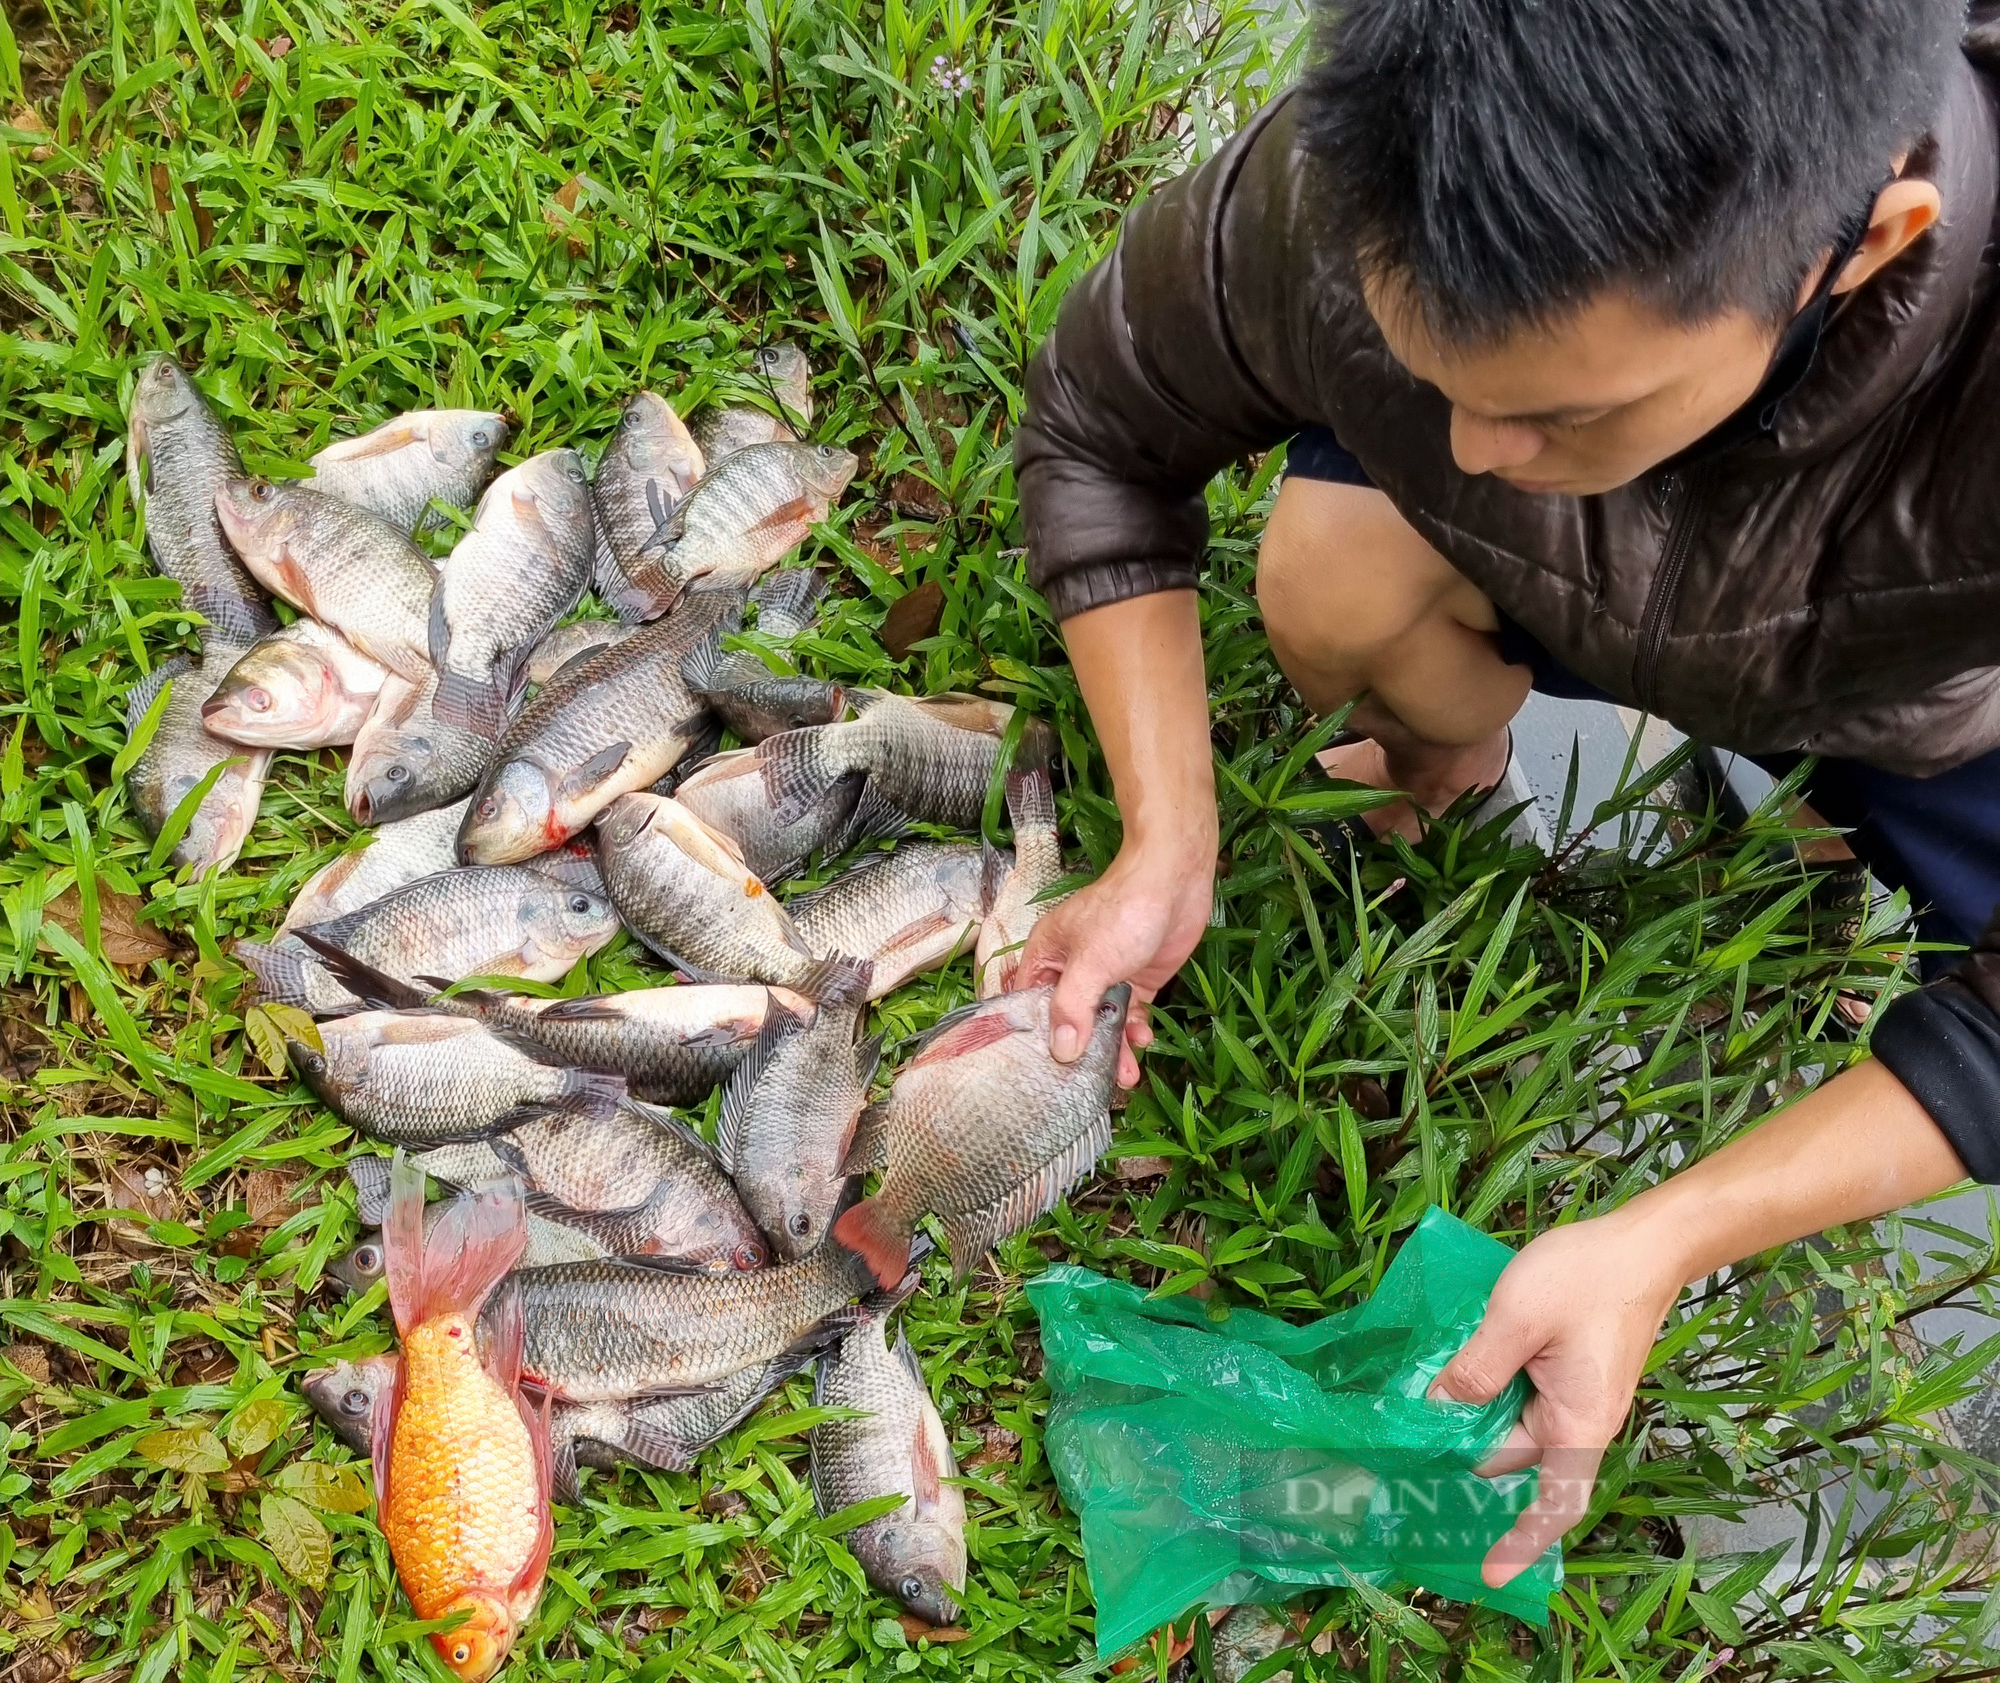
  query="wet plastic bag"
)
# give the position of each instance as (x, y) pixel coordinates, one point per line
(1215, 1462)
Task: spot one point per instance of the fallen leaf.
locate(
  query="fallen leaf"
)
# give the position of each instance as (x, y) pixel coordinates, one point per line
(1141, 1168)
(914, 1627)
(268, 1195)
(996, 1443)
(278, 46)
(204, 221)
(919, 497)
(128, 1188)
(163, 190)
(914, 615)
(294, 1535)
(722, 1504)
(30, 1360)
(28, 118)
(186, 1449)
(123, 937)
(334, 1490)
(569, 192)
(256, 1424)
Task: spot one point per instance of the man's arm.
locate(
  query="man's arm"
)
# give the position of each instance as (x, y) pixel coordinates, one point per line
(1139, 663)
(1579, 1308)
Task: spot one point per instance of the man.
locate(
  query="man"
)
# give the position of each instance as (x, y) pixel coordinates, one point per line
(1641, 348)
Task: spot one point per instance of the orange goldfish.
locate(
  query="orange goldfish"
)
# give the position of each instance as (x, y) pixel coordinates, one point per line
(462, 1465)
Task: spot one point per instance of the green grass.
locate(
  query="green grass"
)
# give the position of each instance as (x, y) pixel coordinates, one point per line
(537, 207)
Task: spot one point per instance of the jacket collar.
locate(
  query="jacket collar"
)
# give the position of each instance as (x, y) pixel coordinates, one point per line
(1890, 336)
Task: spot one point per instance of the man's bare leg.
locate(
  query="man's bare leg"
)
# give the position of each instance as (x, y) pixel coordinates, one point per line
(1356, 603)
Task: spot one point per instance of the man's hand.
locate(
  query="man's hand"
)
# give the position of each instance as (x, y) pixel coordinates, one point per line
(1578, 1310)
(1136, 923)
(1139, 665)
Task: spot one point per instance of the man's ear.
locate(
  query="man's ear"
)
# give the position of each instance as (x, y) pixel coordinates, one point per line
(1904, 211)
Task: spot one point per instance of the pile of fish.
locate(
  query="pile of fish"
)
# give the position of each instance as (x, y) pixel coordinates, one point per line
(605, 1283)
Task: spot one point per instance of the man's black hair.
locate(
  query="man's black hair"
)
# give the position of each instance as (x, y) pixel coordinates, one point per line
(1507, 160)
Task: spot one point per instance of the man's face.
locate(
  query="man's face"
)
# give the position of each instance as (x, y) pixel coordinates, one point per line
(1589, 404)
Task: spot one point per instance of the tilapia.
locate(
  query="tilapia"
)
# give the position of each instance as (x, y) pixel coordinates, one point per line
(729, 793)
(524, 564)
(347, 568)
(687, 894)
(929, 758)
(650, 464)
(674, 1045)
(983, 1129)
(406, 464)
(347, 1395)
(740, 521)
(915, 1553)
(610, 723)
(301, 687)
(503, 920)
(419, 1078)
(177, 457)
(751, 699)
(662, 1432)
(634, 1177)
(407, 760)
(787, 1121)
(549, 1242)
(568, 642)
(1037, 865)
(462, 1470)
(785, 374)
(182, 753)
(601, 1331)
(398, 853)
(906, 911)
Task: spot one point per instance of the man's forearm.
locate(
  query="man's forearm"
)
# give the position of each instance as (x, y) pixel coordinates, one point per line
(1857, 1147)
(1139, 664)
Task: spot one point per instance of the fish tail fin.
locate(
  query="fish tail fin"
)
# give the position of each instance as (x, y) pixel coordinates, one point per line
(475, 704)
(878, 1237)
(468, 1252)
(363, 980)
(799, 767)
(837, 980)
(370, 1176)
(653, 1445)
(788, 600)
(1031, 799)
(280, 971)
(591, 1093)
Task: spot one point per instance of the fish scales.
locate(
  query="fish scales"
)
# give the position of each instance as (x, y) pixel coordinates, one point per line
(400, 468)
(906, 911)
(182, 752)
(610, 723)
(178, 456)
(598, 1331)
(650, 464)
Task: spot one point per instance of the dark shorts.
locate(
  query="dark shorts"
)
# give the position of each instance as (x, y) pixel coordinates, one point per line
(1938, 837)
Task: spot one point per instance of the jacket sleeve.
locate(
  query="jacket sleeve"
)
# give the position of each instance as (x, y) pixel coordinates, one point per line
(1943, 1043)
(1143, 391)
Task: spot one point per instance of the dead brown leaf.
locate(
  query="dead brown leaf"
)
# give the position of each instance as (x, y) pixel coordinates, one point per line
(124, 938)
(268, 1196)
(1141, 1168)
(163, 190)
(914, 1627)
(31, 1359)
(915, 615)
(918, 497)
(996, 1444)
(29, 119)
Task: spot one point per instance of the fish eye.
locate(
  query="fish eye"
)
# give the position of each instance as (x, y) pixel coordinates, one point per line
(354, 1401)
(367, 1256)
(461, 1653)
(827, 452)
(1108, 1009)
(748, 1255)
(911, 1588)
(398, 773)
(481, 437)
(800, 1224)
(579, 903)
(768, 357)
(257, 700)
(262, 490)
(489, 808)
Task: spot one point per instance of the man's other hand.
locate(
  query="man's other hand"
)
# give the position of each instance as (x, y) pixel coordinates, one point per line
(1578, 1310)
(1137, 923)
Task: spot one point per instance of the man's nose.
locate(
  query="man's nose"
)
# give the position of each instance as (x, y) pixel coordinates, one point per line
(1479, 445)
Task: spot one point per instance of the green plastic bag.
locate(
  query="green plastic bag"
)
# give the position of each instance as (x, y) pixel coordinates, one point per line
(1245, 1459)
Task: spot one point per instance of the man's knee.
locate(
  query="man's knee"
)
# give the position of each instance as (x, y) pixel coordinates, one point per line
(1341, 575)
